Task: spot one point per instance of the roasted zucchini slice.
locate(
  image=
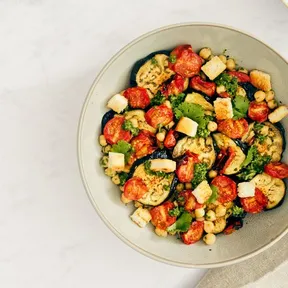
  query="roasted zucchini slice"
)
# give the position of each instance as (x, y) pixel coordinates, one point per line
(224, 142)
(158, 187)
(154, 73)
(271, 144)
(201, 146)
(273, 188)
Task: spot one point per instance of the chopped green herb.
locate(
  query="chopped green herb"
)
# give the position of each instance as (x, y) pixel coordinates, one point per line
(240, 107)
(229, 82)
(182, 224)
(214, 194)
(147, 166)
(258, 127)
(172, 59)
(128, 126)
(261, 138)
(200, 171)
(154, 61)
(176, 211)
(158, 99)
(124, 148)
(253, 164)
(238, 211)
(176, 100)
(180, 199)
(166, 187)
(123, 177)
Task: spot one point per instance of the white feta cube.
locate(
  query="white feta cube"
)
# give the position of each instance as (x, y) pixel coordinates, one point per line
(223, 108)
(116, 161)
(117, 103)
(165, 165)
(202, 192)
(141, 217)
(187, 126)
(246, 189)
(213, 68)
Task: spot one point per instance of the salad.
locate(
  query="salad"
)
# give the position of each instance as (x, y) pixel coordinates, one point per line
(195, 143)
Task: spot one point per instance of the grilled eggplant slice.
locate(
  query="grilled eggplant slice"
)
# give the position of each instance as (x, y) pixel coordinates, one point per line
(273, 188)
(250, 90)
(224, 142)
(139, 115)
(197, 98)
(201, 146)
(151, 72)
(273, 142)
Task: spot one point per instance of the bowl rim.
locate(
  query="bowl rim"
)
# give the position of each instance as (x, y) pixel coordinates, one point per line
(81, 168)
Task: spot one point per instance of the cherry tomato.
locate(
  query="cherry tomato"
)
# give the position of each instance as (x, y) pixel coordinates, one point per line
(175, 87)
(135, 188)
(258, 111)
(226, 187)
(160, 215)
(113, 131)
(256, 203)
(143, 144)
(241, 77)
(185, 167)
(187, 199)
(194, 233)
(231, 155)
(138, 97)
(233, 128)
(277, 170)
(159, 115)
(187, 63)
(170, 139)
(224, 95)
(206, 87)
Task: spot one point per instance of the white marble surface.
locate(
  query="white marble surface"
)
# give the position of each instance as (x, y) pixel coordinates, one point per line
(50, 52)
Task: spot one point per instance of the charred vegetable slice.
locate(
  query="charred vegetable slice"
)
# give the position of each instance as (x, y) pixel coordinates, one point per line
(202, 147)
(273, 188)
(224, 143)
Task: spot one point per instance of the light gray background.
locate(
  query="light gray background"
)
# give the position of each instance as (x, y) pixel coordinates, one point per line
(50, 52)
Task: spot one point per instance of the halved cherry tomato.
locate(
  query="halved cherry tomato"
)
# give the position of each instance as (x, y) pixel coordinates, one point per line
(277, 170)
(143, 144)
(185, 167)
(175, 87)
(187, 63)
(256, 203)
(258, 111)
(241, 77)
(135, 188)
(138, 97)
(226, 187)
(160, 215)
(206, 87)
(194, 233)
(231, 155)
(170, 139)
(233, 128)
(113, 131)
(224, 95)
(159, 115)
(187, 199)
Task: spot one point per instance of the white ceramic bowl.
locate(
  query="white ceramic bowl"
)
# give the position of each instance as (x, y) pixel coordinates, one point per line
(259, 231)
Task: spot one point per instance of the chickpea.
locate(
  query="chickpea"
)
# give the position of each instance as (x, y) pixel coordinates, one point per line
(210, 216)
(243, 70)
(272, 104)
(241, 91)
(259, 96)
(209, 239)
(223, 58)
(228, 213)
(102, 140)
(121, 188)
(106, 149)
(109, 172)
(104, 161)
(200, 212)
(170, 125)
(116, 179)
(212, 173)
(161, 135)
(137, 204)
(160, 232)
(220, 89)
(124, 199)
(208, 226)
(205, 53)
(230, 64)
(200, 219)
(134, 122)
(167, 103)
(220, 211)
(188, 186)
(270, 95)
(180, 187)
(212, 126)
